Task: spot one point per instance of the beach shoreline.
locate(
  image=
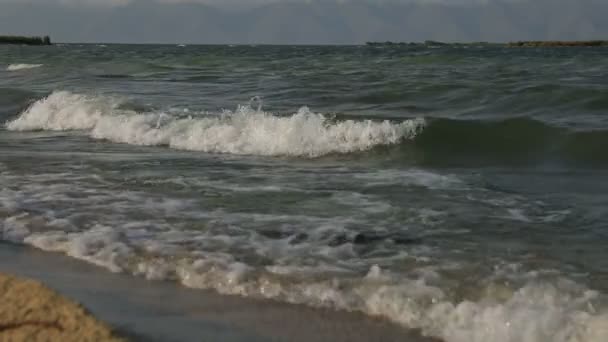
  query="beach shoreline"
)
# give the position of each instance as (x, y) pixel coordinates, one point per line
(163, 311)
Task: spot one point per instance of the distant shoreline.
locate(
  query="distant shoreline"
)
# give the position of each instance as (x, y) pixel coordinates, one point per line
(46, 40)
(527, 43)
(558, 43)
(24, 40)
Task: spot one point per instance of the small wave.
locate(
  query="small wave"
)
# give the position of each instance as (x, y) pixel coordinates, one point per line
(17, 67)
(15, 96)
(518, 140)
(245, 131)
(14, 100)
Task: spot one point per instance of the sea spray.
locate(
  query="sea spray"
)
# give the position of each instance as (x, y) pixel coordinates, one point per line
(62, 111)
(256, 100)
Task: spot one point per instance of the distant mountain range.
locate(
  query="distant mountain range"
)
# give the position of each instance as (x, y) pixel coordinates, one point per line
(311, 22)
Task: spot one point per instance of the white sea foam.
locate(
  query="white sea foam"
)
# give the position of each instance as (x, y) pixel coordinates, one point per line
(17, 67)
(100, 246)
(245, 131)
(417, 177)
(62, 111)
(150, 236)
(508, 306)
(537, 311)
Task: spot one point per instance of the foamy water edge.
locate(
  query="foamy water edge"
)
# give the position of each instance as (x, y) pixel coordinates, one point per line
(537, 311)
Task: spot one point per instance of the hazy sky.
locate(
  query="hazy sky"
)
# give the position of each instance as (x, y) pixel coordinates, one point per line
(304, 21)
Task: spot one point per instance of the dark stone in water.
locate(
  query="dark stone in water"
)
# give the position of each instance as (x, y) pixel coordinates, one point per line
(366, 238)
(294, 239)
(338, 240)
(274, 234)
(298, 238)
(114, 76)
(404, 240)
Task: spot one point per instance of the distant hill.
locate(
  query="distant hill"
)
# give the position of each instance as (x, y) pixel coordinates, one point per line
(314, 22)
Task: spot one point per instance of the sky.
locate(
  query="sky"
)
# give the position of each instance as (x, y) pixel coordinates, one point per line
(304, 21)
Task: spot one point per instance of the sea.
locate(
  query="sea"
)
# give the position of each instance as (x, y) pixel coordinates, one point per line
(460, 190)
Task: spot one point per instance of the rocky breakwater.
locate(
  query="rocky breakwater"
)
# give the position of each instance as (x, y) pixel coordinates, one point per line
(29, 311)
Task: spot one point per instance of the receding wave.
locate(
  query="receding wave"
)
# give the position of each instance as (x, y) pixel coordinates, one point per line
(505, 309)
(17, 67)
(244, 131)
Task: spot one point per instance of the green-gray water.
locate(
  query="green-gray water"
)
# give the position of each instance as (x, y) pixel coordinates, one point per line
(460, 190)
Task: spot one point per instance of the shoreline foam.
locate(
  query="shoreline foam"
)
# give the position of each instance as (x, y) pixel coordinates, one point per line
(159, 311)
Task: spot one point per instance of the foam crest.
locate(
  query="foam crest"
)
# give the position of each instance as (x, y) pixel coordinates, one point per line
(17, 67)
(245, 131)
(62, 111)
(535, 312)
(100, 246)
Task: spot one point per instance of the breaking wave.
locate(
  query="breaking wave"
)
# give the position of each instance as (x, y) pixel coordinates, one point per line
(251, 131)
(244, 131)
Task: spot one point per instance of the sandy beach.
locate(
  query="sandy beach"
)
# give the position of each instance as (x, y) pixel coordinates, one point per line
(32, 312)
(141, 310)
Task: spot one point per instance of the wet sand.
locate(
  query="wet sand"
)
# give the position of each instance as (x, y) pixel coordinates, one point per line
(144, 310)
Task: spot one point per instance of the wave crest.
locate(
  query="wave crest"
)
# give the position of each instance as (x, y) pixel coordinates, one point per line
(245, 131)
(62, 111)
(17, 67)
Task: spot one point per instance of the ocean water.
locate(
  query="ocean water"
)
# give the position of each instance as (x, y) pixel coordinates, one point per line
(458, 190)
